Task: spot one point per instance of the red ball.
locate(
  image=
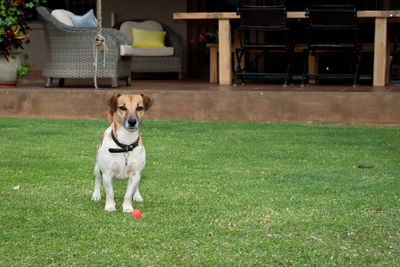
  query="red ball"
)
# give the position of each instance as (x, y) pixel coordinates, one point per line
(136, 214)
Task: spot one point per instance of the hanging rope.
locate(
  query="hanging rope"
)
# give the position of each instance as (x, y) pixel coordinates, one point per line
(100, 44)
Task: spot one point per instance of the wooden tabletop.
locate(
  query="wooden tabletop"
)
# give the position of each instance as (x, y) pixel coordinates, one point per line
(290, 14)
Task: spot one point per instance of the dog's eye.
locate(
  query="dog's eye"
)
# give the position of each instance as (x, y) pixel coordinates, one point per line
(139, 108)
(123, 108)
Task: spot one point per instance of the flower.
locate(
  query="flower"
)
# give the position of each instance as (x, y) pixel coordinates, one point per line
(203, 39)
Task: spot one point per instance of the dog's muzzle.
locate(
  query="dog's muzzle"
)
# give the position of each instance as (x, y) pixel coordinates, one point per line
(131, 124)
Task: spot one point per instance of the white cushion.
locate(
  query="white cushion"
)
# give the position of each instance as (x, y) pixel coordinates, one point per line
(153, 52)
(127, 50)
(63, 16)
(149, 25)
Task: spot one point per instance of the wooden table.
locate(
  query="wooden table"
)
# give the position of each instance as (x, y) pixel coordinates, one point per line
(381, 44)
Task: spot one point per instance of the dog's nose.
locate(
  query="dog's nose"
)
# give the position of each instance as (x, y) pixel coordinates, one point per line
(132, 122)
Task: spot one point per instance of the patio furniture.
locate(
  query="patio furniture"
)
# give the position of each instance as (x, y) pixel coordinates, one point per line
(382, 19)
(154, 60)
(332, 28)
(70, 52)
(263, 30)
(395, 57)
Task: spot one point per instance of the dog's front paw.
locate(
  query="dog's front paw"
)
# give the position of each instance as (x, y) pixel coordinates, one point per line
(137, 197)
(127, 208)
(110, 207)
(96, 197)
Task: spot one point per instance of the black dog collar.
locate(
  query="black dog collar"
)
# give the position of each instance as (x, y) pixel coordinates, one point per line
(123, 148)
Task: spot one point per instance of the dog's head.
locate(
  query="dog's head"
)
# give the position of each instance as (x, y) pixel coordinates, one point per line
(128, 110)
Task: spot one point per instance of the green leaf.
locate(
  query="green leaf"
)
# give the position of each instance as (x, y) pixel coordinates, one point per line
(22, 71)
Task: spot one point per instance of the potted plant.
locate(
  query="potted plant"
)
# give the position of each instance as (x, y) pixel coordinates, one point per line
(203, 39)
(14, 33)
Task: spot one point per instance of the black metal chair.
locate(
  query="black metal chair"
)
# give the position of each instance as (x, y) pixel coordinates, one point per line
(262, 29)
(395, 57)
(332, 28)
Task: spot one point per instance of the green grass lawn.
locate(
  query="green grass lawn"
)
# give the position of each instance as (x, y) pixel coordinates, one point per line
(215, 193)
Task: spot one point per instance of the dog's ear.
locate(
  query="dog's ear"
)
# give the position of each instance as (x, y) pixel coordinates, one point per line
(110, 116)
(112, 102)
(147, 101)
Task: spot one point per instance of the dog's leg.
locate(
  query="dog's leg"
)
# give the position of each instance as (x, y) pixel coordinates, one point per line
(132, 185)
(108, 188)
(137, 197)
(97, 184)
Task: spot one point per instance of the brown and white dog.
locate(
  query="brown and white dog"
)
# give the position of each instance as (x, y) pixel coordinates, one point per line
(121, 153)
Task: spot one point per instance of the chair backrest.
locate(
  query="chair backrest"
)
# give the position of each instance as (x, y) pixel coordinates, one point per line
(150, 25)
(332, 16)
(397, 37)
(332, 25)
(262, 16)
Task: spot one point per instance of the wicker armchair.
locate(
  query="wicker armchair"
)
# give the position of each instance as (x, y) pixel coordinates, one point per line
(70, 52)
(158, 64)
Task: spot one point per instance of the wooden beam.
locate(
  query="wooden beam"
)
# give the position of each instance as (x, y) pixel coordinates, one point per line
(225, 48)
(380, 52)
(213, 64)
(378, 13)
(206, 15)
(290, 14)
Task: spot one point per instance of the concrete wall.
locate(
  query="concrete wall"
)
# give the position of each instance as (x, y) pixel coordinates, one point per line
(267, 106)
(160, 10)
(36, 49)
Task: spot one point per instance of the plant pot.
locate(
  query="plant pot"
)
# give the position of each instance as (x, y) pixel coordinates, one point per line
(8, 70)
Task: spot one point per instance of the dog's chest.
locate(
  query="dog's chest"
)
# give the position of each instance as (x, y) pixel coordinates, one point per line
(120, 165)
(124, 165)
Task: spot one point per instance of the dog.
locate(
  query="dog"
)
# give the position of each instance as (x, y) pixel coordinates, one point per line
(121, 153)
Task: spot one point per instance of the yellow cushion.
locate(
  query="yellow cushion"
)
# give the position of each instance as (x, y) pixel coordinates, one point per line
(147, 39)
